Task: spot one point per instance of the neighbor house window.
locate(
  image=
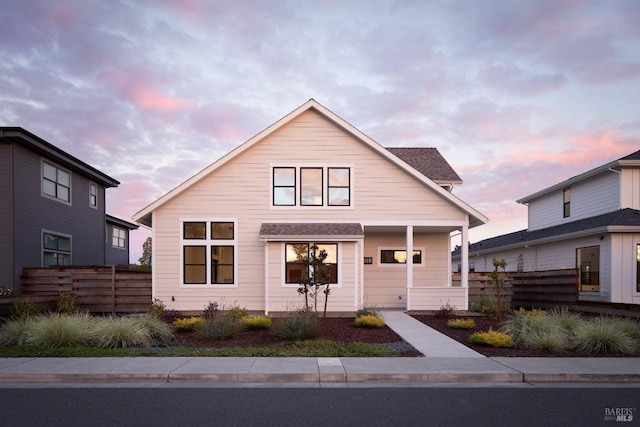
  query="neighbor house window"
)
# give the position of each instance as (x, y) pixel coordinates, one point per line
(93, 195)
(56, 182)
(119, 239)
(311, 186)
(399, 256)
(208, 252)
(56, 249)
(588, 264)
(566, 203)
(296, 255)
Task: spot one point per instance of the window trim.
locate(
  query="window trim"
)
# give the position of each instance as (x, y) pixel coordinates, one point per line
(113, 238)
(208, 242)
(298, 185)
(56, 234)
(43, 178)
(579, 267)
(400, 265)
(283, 260)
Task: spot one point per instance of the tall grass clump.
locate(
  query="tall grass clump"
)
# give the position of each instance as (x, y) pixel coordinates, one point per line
(299, 326)
(540, 330)
(604, 335)
(60, 330)
(16, 331)
(159, 331)
(114, 332)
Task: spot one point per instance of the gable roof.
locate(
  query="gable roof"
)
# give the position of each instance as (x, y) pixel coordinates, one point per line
(623, 220)
(429, 162)
(630, 160)
(118, 222)
(25, 138)
(475, 217)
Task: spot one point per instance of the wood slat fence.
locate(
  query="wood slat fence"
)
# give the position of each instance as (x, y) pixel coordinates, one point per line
(545, 289)
(99, 289)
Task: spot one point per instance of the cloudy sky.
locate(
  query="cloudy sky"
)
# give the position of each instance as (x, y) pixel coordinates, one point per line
(517, 95)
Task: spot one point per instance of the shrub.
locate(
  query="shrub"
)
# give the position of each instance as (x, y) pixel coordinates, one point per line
(157, 308)
(210, 310)
(568, 321)
(547, 340)
(256, 322)
(188, 324)
(523, 325)
(300, 326)
(60, 330)
(461, 323)
(221, 327)
(367, 311)
(369, 321)
(237, 312)
(114, 332)
(603, 335)
(488, 307)
(491, 338)
(67, 303)
(445, 311)
(23, 308)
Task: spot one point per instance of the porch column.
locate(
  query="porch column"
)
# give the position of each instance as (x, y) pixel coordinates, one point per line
(464, 257)
(266, 277)
(409, 264)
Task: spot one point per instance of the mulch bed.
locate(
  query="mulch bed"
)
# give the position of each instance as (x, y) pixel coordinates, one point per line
(339, 329)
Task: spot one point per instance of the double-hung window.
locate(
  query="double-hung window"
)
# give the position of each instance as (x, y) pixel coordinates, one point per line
(208, 252)
(56, 182)
(566, 203)
(119, 238)
(313, 186)
(93, 195)
(297, 256)
(56, 249)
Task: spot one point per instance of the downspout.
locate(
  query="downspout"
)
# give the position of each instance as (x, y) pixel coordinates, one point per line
(266, 277)
(409, 264)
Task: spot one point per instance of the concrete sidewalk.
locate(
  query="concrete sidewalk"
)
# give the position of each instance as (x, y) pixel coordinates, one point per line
(445, 361)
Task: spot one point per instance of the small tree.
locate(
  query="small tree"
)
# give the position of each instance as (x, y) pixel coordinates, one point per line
(498, 277)
(145, 260)
(316, 279)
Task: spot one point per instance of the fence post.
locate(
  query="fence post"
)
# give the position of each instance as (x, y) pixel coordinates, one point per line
(113, 290)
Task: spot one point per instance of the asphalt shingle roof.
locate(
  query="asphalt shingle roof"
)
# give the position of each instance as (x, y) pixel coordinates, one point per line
(322, 230)
(427, 161)
(621, 218)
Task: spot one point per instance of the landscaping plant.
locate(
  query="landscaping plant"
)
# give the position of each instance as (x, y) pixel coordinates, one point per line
(461, 323)
(303, 325)
(369, 321)
(256, 322)
(492, 338)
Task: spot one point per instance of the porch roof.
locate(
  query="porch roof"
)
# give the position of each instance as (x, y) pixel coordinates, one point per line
(314, 230)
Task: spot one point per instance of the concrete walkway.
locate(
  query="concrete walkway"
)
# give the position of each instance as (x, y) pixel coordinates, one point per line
(445, 361)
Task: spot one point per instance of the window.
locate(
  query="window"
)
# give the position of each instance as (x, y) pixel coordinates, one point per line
(93, 195)
(339, 187)
(56, 182)
(56, 250)
(311, 186)
(566, 203)
(588, 264)
(208, 252)
(399, 256)
(284, 186)
(119, 239)
(297, 254)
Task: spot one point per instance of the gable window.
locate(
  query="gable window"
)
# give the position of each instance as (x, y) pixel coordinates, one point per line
(399, 256)
(311, 186)
(93, 195)
(119, 238)
(56, 249)
(296, 254)
(339, 187)
(208, 252)
(284, 186)
(56, 182)
(566, 203)
(588, 264)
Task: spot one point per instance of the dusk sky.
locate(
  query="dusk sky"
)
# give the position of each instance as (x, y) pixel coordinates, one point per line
(517, 95)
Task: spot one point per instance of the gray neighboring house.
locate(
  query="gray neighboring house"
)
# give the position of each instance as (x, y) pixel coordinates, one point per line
(590, 222)
(52, 209)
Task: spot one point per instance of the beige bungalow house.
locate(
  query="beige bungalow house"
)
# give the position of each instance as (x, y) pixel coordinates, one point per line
(236, 231)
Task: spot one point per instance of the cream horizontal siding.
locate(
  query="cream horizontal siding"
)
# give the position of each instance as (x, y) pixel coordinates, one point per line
(437, 298)
(240, 189)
